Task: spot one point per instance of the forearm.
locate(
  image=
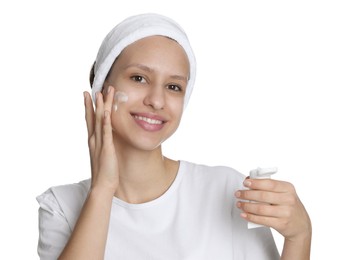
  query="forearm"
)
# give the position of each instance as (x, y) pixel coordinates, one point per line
(297, 249)
(89, 236)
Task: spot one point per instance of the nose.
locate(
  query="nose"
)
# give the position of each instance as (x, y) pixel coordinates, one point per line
(155, 97)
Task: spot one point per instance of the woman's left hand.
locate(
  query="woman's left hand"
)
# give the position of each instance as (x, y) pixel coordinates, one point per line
(279, 207)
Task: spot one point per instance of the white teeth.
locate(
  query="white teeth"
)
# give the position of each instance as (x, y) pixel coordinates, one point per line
(148, 120)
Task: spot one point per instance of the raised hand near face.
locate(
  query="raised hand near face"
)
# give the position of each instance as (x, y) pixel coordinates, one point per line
(104, 163)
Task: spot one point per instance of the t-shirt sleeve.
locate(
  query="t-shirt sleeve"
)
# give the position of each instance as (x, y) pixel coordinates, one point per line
(254, 244)
(54, 230)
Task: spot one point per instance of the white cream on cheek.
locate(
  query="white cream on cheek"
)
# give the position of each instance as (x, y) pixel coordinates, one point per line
(119, 97)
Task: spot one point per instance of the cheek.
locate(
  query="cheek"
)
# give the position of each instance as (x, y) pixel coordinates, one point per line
(180, 112)
(120, 114)
(176, 109)
(176, 105)
(116, 120)
(134, 96)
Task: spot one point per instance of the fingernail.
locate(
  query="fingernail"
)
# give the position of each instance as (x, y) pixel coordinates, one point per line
(238, 204)
(238, 194)
(243, 215)
(109, 89)
(247, 183)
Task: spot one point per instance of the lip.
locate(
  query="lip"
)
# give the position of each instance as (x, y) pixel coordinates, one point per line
(149, 122)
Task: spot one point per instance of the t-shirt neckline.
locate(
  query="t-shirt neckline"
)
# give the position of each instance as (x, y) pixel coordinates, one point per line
(165, 195)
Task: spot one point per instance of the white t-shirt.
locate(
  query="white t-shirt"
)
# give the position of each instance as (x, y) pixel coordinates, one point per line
(196, 218)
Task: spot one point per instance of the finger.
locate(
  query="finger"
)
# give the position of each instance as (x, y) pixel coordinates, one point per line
(107, 129)
(261, 220)
(262, 209)
(268, 185)
(89, 114)
(262, 196)
(109, 98)
(99, 119)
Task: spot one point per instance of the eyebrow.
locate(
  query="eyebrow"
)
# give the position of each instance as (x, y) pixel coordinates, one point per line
(150, 70)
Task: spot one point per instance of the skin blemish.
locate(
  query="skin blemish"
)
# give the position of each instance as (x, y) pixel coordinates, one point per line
(119, 97)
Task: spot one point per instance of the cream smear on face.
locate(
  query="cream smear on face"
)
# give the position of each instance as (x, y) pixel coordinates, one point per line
(119, 97)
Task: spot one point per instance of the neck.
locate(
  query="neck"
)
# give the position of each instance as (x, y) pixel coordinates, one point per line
(144, 175)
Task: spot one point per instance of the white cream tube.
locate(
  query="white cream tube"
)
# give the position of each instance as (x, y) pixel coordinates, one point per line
(260, 173)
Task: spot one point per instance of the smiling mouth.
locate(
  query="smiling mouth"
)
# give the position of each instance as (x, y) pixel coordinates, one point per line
(148, 120)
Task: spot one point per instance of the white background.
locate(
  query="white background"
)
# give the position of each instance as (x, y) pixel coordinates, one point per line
(270, 91)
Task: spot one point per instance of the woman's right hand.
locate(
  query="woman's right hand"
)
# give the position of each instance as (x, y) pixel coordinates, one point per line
(88, 239)
(104, 163)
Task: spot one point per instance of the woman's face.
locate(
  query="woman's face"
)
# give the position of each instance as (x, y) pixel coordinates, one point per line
(153, 72)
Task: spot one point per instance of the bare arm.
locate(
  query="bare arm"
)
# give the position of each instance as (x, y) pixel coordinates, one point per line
(89, 236)
(297, 248)
(281, 209)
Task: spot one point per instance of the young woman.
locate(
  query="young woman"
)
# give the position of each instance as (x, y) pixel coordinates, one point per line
(139, 204)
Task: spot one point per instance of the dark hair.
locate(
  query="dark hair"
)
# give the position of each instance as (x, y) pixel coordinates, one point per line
(92, 74)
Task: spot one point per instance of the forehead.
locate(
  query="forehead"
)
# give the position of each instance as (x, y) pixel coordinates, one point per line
(155, 44)
(156, 51)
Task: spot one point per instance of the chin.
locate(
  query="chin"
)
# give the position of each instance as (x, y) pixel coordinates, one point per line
(149, 145)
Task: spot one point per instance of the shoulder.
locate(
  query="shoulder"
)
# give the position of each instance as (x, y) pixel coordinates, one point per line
(71, 192)
(66, 200)
(212, 174)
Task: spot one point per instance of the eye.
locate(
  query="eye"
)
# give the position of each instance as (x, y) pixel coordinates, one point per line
(175, 88)
(138, 78)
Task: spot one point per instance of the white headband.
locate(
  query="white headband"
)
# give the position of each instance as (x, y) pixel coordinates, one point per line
(135, 28)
